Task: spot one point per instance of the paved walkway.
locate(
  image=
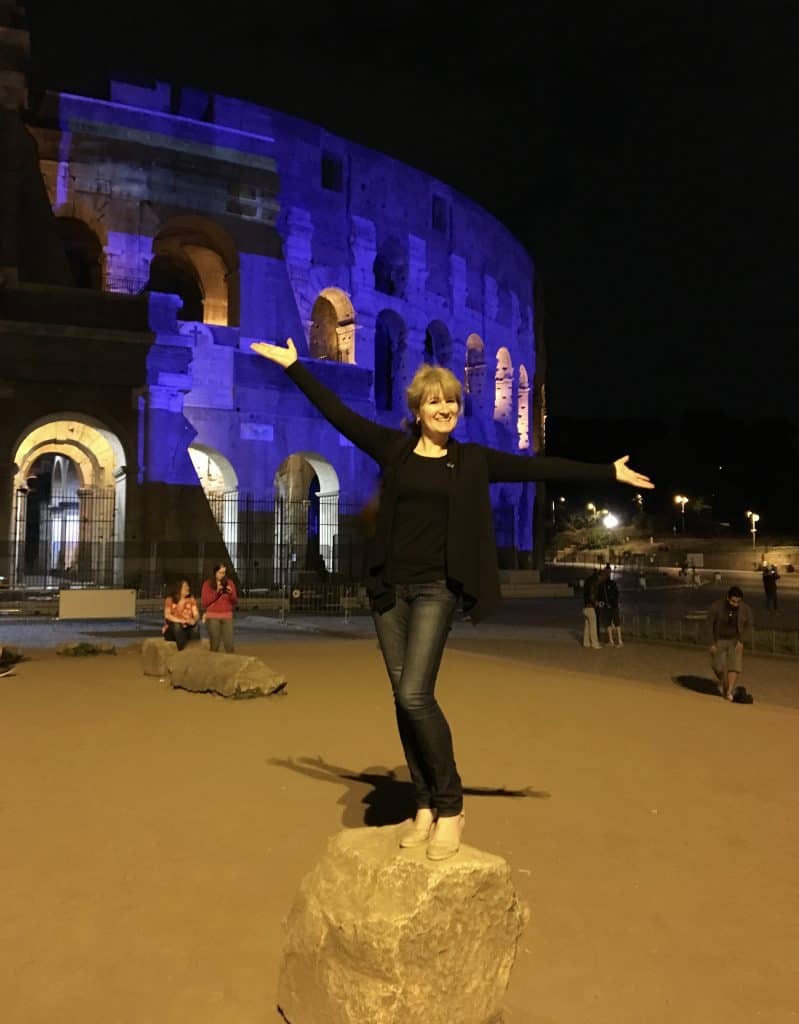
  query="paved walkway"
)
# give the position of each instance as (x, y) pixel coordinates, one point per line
(154, 839)
(772, 679)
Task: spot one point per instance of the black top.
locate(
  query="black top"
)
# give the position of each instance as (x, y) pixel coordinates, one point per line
(471, 554)
(418, 552)
(608, 593)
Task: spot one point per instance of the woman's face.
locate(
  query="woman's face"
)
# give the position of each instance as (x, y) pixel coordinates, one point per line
(438, 415)
(185, 589)
(221, 572)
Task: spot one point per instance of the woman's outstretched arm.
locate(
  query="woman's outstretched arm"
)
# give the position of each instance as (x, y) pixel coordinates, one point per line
(502, 466)
(365, 434)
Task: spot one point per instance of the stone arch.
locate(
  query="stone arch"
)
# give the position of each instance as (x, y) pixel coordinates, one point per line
(84, 252)
(194, 250)
(307, 491)
(331, 332)
(220, 484)
(174, 273)
(390, 268)
(391, 360)
(523, 408)
(503, 388)
(82, 528)
(87, 210)
(475, 373)
(438, 344)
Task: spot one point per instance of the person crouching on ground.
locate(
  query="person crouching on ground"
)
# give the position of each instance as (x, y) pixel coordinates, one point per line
(219, 598)
(181, 615)
(729, 621)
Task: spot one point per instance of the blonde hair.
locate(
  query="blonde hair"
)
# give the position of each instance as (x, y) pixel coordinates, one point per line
(430, 380)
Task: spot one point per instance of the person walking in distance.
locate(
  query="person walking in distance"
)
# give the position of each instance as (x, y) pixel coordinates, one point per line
(432, 549)
(219, 599)
(729, 621)
(608, 601)
(590, 598)
(770, 577)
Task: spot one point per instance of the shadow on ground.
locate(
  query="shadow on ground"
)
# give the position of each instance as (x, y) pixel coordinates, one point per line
(381, 796)
(699, 684)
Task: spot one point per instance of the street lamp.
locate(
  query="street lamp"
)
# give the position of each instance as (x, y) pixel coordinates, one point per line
(682, 501)
(610, 520)
(754, 519)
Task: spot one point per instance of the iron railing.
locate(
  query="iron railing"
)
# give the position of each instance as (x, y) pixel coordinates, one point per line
(669, 629)
(271, 545)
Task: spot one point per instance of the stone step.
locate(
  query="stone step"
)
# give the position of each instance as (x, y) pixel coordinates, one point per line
(519, 576)
(511, 590)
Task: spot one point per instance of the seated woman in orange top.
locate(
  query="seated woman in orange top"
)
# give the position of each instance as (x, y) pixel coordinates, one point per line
(181, 615)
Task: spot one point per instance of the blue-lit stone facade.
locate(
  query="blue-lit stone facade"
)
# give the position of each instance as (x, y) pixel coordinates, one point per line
(235, 222)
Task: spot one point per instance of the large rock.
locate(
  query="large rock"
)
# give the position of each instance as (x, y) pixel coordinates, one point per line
(231, 675)
(157, 655)
(379, 935)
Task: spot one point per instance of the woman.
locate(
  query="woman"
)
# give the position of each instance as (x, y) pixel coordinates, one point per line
(219, 599)
(181, 615)
(433, 546)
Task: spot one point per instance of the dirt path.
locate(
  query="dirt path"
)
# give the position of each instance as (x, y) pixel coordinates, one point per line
(154, 839)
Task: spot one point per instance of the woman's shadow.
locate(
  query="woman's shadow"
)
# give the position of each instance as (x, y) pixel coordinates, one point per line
(379, 795)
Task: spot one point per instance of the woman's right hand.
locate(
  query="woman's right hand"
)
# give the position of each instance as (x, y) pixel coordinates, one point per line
(282, 355)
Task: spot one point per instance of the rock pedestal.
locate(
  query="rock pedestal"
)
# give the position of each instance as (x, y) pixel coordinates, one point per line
(382, 935)
(230, 675)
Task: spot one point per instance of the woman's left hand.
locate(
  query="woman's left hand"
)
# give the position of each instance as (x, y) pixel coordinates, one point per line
(283, 355)
(625, 475)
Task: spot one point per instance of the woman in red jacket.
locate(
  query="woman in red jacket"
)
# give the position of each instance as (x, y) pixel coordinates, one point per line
(219, 599)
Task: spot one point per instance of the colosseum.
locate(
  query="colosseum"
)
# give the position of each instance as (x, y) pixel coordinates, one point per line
(147, 236)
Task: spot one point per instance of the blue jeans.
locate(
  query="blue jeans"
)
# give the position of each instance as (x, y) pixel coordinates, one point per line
(412, 635)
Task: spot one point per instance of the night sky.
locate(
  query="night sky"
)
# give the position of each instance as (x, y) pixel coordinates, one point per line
(643, 155)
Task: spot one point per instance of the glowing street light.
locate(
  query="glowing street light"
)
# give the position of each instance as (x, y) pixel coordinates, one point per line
(610, 521)
(681, 500)
(754, 519)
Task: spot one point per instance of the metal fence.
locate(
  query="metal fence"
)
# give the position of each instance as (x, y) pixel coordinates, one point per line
(665, 629)
(310, 552)
(63, 538)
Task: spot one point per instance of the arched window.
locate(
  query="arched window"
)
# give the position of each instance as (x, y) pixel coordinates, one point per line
(475, 373)
(390, 350)
(438, 344)
(523, 409)
(220, 485)
(197, 260)
(174, 273)
(83, 250)
(391, 268)
(503, 388)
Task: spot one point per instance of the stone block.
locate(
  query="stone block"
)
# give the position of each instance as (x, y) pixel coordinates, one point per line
(382, 935)
(157, 655)
(230, 675)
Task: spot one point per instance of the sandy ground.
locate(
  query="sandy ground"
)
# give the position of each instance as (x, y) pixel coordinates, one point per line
(153, 839)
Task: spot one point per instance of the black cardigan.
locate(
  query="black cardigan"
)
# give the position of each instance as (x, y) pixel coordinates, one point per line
(472, 564)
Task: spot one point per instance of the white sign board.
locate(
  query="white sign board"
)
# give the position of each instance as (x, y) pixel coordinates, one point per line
(99, 603)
